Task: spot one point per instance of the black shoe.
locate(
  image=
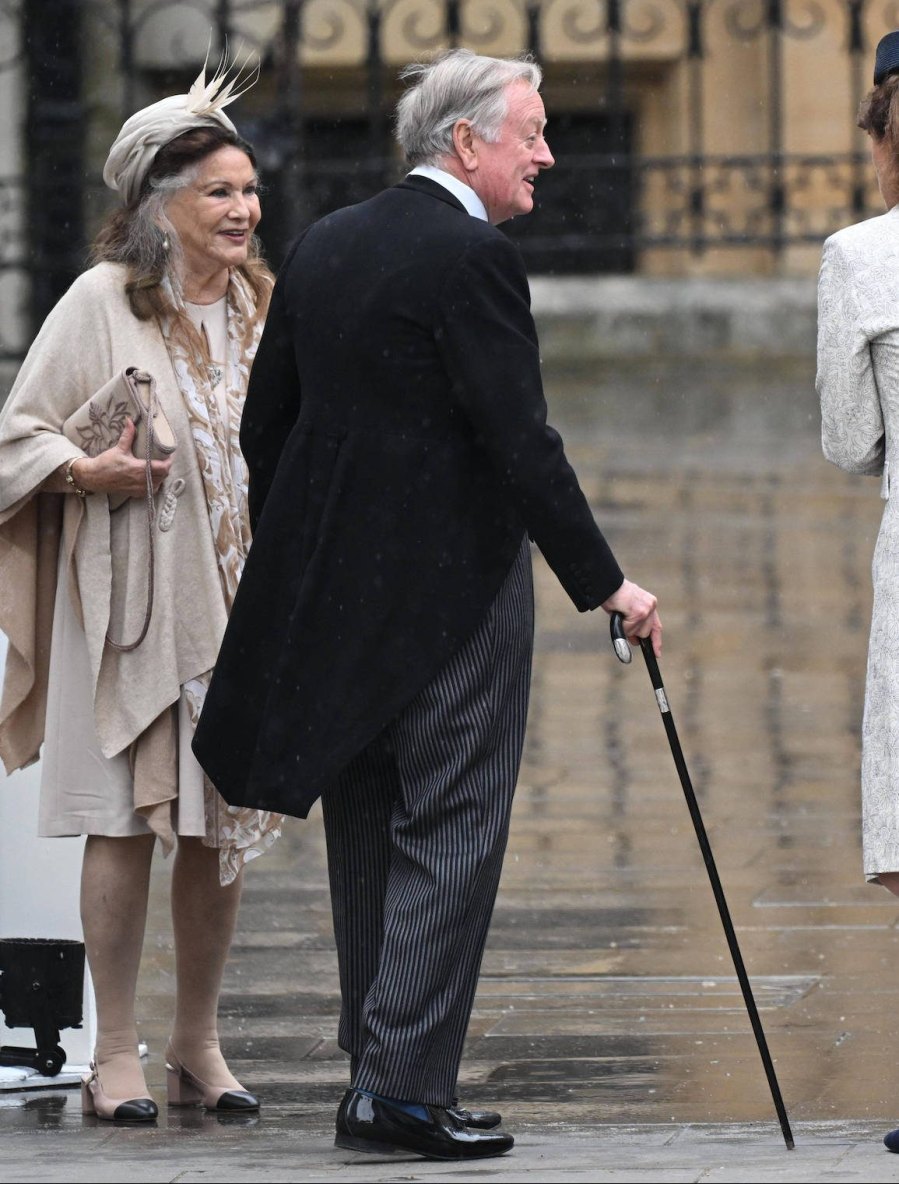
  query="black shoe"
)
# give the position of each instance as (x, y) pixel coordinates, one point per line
(891, 1141)
(375, 1125)
(482, 1120)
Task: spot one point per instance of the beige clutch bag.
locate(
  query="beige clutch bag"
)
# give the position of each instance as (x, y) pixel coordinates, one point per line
(98, 424)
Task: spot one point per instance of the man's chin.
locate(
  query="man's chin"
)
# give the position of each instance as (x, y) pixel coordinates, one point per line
(520, 209)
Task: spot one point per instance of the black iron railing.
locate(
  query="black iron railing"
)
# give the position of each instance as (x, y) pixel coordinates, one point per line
(320, 117)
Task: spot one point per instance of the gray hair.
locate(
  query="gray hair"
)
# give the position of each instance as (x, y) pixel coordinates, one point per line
(152, 240)
(456, 85)
(143, 236)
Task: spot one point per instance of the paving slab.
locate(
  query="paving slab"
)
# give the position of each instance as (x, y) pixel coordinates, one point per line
(285, 1145)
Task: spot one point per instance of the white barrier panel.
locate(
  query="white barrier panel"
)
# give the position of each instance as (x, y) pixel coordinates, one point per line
(39, 887)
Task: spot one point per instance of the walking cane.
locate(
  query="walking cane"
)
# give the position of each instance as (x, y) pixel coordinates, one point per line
(623, 653)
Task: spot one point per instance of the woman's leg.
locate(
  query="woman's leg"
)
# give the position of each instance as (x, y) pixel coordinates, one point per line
(115, 880)
(890, 881)
(203, 915)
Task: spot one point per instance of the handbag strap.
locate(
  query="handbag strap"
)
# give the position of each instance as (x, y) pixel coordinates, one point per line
(123, 647)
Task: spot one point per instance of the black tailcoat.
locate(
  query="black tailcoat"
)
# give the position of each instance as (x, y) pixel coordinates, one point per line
(395, 431)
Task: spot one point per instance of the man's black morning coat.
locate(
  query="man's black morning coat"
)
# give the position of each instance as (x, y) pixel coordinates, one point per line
(395, 431)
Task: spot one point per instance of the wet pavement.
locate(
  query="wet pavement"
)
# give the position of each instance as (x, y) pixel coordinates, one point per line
(609, 1026)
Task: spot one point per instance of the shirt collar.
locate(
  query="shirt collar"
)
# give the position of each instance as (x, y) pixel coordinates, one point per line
(457, 188)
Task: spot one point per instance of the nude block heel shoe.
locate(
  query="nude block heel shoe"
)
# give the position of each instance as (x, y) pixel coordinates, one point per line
(95, 1102)
(186, 1089)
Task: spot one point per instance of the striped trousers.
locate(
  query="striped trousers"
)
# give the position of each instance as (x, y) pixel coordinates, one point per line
(416, 830)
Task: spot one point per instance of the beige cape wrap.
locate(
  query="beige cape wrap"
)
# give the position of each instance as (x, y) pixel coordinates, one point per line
(90, 335)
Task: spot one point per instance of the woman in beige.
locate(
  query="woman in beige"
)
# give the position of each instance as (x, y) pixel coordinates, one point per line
(178, 290)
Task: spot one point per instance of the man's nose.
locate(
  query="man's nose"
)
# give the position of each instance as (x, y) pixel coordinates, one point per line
(544, 157)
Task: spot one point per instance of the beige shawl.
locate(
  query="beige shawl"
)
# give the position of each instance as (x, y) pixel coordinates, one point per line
(90, 335)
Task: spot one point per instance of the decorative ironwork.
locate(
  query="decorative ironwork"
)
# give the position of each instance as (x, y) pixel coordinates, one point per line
(728, 219)
(320, 118)
(584, 22)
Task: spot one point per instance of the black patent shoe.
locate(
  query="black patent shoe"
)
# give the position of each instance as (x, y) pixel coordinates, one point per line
(482, 1120)
(375, 1125)
(891, 1141)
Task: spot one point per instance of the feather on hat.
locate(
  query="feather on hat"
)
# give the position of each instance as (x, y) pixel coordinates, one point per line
(149, 129)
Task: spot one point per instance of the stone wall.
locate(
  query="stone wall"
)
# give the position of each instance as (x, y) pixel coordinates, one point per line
(631, 318)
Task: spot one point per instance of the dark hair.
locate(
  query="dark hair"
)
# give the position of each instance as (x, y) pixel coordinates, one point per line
(189, 149)
(878, 112)
(140, 236)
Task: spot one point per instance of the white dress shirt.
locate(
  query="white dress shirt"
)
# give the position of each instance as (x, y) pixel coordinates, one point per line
(457, 188)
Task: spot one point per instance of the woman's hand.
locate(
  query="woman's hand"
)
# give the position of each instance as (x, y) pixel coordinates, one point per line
(118, 470)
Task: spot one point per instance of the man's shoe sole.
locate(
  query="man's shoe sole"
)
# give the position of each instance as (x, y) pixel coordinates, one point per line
(354, 1143)
(373, 1147)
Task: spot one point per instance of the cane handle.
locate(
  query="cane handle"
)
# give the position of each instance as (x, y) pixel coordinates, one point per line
(620, 643)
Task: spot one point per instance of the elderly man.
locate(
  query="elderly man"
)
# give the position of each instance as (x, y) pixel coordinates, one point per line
(379, 650)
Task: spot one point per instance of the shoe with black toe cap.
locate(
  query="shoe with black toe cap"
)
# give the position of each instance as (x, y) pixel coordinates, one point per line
(366, 1122)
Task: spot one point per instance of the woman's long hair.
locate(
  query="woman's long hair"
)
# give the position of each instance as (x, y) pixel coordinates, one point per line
(142, 238)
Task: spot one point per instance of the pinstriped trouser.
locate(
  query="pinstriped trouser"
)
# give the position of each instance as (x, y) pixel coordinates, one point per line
(416, 828)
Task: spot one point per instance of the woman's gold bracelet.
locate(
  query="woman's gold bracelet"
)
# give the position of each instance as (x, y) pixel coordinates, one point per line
(70, 479)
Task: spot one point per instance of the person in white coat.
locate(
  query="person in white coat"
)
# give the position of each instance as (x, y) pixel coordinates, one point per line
(858, 384)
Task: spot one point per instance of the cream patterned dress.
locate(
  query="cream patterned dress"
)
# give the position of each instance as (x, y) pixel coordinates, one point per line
(213, 395)
(858, 384)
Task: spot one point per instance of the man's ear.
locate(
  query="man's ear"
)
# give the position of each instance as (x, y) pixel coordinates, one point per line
(464, 144)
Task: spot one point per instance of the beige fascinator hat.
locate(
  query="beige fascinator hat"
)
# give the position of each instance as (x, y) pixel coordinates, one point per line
(150, 129)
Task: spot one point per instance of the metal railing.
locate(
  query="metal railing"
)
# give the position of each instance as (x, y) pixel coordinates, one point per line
(320, 118)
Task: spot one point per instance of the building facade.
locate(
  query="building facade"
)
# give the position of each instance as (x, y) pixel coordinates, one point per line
(692, 137)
